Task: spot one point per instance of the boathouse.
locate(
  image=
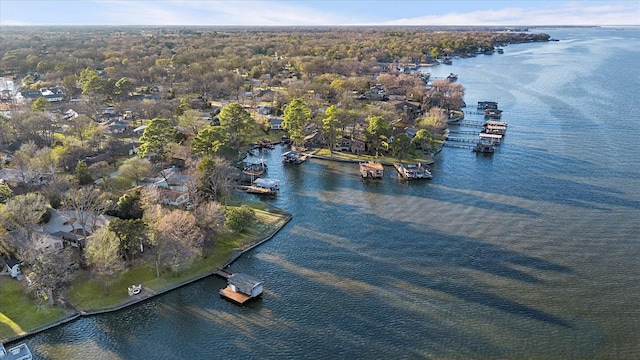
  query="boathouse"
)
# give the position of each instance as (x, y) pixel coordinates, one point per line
(371, 169)
(413, 171)
(242, 288)
(264, 186)
(18, 352)
(484, 105)
(292, 157)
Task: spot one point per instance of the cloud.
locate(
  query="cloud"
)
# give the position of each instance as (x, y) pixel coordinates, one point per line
(177, 12)
(565, 14)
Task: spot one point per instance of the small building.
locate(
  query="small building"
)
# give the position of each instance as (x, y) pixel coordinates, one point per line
(371, 169)
(13, 267)
(484, 105)
(18, 352)
(493, 139)
(413, 171)
(493, 113)
(242, 288)
(264, 186)
(275, 123)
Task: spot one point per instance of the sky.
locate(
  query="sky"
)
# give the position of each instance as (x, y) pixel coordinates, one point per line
(318, 12)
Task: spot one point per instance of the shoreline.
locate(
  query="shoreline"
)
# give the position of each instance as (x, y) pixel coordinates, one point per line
(148, 293)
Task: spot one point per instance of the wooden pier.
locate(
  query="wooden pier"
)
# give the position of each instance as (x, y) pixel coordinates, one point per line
(236, 297)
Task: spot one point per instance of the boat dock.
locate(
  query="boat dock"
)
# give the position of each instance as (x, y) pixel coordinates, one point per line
(489, 136)
(241, 288)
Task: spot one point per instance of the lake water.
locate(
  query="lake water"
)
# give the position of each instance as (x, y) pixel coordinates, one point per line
(532, 252)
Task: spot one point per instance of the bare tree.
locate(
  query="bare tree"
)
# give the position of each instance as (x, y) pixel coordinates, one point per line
(179, 239)
(50, 270)
(85, 205)
(23, 213)
(103, 254)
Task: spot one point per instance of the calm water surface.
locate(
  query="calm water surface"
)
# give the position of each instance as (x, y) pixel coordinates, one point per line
(533, 252)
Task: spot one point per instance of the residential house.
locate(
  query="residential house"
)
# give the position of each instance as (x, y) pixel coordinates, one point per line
(275, 123)
(172, 197)
(408, 111)
(27, 177)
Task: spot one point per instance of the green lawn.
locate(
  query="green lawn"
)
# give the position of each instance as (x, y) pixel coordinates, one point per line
(89, 293)
(19, 312)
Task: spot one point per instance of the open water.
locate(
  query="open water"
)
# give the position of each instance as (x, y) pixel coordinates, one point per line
(532, 252)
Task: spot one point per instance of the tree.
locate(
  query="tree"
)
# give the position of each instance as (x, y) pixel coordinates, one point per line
(50, 271)
(83, 175)
(179, 239)
(192, 120)
(129, 205)
(80, 127)
(213, 178)
(423, 140)
(103, 255)
(23, 213)
(125, 87)
(435, 121)
(131, 234)
(237, 121)
(85, 204)
(23, 161)
(209, 217)
(40, 105)
(135, 169)
(331, 127)
(183, 106)
(296, 115)
(445, 94)
(214, 141)
(5, 193)
(378, 131)
(157, 137)
(239, 218)
(401, 146)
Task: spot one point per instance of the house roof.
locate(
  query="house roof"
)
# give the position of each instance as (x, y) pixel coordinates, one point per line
(66, 235)
(244, 282)
(12, 262)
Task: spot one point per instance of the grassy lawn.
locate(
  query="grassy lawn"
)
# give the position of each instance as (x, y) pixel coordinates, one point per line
(89, 293)
(19, 312)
